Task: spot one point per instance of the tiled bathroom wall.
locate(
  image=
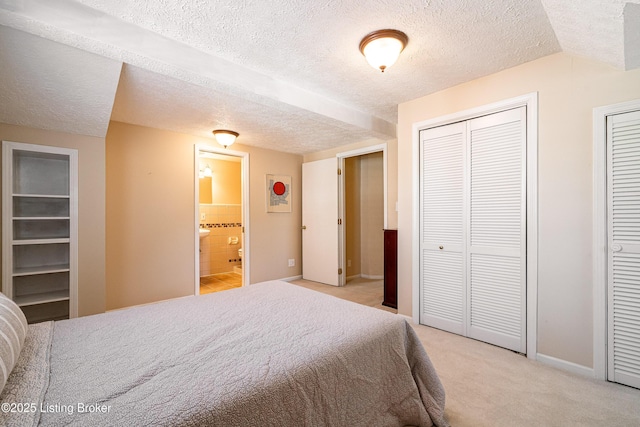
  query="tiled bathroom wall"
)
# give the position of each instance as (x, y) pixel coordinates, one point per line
(219, 250)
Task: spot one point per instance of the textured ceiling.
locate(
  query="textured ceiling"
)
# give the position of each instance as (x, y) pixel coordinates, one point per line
(40, 85)
(196, 110)
(606, 30)
(287, 74)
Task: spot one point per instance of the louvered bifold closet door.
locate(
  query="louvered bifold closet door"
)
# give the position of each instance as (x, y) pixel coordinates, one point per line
(497, 235)
(442, 293)
(623, 188)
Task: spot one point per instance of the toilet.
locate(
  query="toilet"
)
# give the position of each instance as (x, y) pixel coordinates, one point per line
(238, 268)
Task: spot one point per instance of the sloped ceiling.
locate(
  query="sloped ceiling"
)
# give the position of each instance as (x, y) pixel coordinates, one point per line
(41, 87)
(285, 74)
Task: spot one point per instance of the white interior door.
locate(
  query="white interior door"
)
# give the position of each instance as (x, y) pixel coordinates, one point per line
(320, 221)
(623, 193)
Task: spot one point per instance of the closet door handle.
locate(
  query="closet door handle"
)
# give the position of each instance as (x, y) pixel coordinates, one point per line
(616, 248)
(440, 247)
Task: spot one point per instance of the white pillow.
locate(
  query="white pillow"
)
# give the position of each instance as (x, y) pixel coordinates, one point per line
(13, 329)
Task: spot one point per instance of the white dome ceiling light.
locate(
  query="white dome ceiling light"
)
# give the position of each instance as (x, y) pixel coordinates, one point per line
(225, 137)
(382, 48)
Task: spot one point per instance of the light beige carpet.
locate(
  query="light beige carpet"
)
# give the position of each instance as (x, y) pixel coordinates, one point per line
(491, 386)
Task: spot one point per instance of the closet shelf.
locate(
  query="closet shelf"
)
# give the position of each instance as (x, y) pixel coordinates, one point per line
(40, 241)
(42, 298)
(40, 229)
(39, 218)
(44, 196)
(44, 269)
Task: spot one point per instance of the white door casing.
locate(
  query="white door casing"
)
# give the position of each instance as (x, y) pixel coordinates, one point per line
(530, 101)
(245, 244)
(342, 156)
(320, 221)
(473, 228)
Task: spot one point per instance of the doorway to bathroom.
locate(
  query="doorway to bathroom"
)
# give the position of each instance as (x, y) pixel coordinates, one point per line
(221, 219)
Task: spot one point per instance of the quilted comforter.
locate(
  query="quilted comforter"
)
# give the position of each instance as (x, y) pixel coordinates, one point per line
(271, 354)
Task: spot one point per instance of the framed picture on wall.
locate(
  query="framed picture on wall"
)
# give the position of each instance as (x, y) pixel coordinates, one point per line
(278, 193)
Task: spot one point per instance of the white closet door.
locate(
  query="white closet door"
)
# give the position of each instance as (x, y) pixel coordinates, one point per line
(496, 255)
(443, 292)
(623, 192)
(473, 225)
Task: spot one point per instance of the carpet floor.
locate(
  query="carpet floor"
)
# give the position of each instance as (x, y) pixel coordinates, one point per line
(490, 386)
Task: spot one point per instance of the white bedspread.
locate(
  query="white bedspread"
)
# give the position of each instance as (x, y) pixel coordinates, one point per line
(271, 354)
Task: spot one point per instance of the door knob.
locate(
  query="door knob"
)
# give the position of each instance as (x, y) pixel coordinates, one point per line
(616, 248)
(441, 247)
(304, 227)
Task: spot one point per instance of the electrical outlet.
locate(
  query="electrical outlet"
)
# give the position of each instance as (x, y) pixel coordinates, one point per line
(348, 263)
(202, 217)
(292, 262)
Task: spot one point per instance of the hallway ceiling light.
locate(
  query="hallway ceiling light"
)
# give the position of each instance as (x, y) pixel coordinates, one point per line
(382, 48)
(225, 137)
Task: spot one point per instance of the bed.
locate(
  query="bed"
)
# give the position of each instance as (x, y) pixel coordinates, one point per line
(270, 354)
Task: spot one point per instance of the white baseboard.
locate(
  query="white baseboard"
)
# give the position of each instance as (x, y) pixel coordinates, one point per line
(372, 276)
(289, 279)
(565, 365)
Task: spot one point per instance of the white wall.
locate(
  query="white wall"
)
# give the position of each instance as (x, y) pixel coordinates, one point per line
(569, 88)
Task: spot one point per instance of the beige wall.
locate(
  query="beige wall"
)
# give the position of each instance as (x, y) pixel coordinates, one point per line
(569, 88)
(150, 215)
(91, 207)
(275, 237)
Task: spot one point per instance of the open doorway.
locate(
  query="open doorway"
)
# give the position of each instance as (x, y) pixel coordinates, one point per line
(363, 202)
(221, 216)
(364, 217)
(324, 237)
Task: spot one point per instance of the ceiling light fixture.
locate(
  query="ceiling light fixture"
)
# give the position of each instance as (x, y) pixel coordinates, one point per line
(382, 48)
(225, 137)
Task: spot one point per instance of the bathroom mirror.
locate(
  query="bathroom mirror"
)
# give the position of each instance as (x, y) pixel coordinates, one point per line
(224, 186)
(205, 191)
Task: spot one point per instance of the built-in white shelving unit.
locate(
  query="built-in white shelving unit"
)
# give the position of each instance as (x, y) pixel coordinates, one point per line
(39, 229)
